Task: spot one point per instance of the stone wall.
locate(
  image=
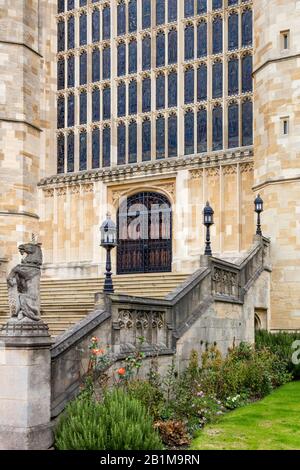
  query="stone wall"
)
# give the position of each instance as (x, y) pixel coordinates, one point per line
(277, 156)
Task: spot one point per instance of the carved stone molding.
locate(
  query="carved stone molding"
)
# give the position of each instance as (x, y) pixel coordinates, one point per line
(88, 188)
(213, 171)
(48, 192)
(247, 167)
(229, 170)
(75, 189)
(125, 319)
(196, 174)
(61, 191)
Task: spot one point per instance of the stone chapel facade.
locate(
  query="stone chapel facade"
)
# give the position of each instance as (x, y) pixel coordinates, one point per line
(151, 101)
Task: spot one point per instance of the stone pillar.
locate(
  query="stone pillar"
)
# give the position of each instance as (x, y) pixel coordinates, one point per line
(25, 385)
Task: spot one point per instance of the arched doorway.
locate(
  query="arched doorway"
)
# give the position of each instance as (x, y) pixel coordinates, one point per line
(144, 234)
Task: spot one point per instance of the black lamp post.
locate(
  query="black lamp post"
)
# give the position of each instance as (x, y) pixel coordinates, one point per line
(108, 241)
(208, 220)
(259, 208)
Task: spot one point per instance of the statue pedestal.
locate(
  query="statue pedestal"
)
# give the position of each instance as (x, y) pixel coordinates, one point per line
(25, 386)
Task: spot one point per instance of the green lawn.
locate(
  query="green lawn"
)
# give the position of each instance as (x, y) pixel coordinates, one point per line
(270, 424)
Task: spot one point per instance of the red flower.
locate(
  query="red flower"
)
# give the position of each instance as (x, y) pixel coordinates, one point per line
(97, 352)
(122, 371)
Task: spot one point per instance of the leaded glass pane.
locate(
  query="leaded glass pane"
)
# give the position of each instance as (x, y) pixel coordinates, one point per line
(202, 39)
(106, 63)
(61, 154)
(70, 152)
(160, 137)
(217, 126)
(247, 123)
(202, 83)
(71, 110)
(217, 81)
(172, 10)
(61, 112)
(132, 66)
(71, 71)
(82, 3)
(189, 86)
(201, 6)
(233, 31)
(121, 59)
(121, 144)
(132, 142)
(233, 125)
(247, 32)
(106, 22)
(217, 35)
(146, 95)
(106, 103)
(233, 76)
(83, 107)
(96, 105)
(188, 8)
(172, 136)
(146, 15)
(160, 49)
(96, 65)
(61, 74)
(83, 29)
(71, 4)
(233, 2)
(106, 147)
(247, 73)
(60, 6)
(82, 151)
(71, 32)
(132, 16)
(202, 131)
(96, 25)
(160, 91)
(121, 99)
(160, 12)
(172, 47)
(189, 51)
(61, 36)
(146, 140)
(96, 148)
(217, 4)
(146, 53)
(172, 89)
(83, 68)
(189, 133)
(121, 18)
(133, 97)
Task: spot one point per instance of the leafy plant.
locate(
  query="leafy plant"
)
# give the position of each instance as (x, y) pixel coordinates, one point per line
(173, 433)
(120, 422)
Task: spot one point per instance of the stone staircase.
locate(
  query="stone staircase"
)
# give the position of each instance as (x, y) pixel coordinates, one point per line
(64, 302)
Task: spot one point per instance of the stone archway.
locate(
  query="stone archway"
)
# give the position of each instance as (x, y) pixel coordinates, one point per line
(144, 223)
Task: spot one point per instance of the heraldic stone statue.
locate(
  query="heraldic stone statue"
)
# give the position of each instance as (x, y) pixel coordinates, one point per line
(24, 284)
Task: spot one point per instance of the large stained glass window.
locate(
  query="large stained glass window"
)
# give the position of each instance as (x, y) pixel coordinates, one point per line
(121, 18)
(70, 152)
(160, 49)
(189, 85)
(83, 107)
(61, 36)
(247, 32)
(132, 50)
(106, 100)
(71, 32)
(189, 42)
(217, 79)
(217, 35)
(172, 10)
(106, 22)
(71, 110)
(132, 16)
(83, 68)
(202, 39)
(233, 76)
(61, 112)
(83, 29)
(96, 25)
(71, 71)
(133, 97)
(106, 63)
(202, 82)
(247, 73)
(96, 65)
(96, 105)
(61, 74)
(121, 58)
(233, 31)
(121, 99)
(160, 11)
(172, 46)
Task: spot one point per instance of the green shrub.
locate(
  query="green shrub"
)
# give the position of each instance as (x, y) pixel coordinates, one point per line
(149, 394)
(120, 422)
(281, 345)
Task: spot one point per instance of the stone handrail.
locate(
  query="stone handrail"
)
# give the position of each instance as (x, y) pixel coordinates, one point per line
(120, 320)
